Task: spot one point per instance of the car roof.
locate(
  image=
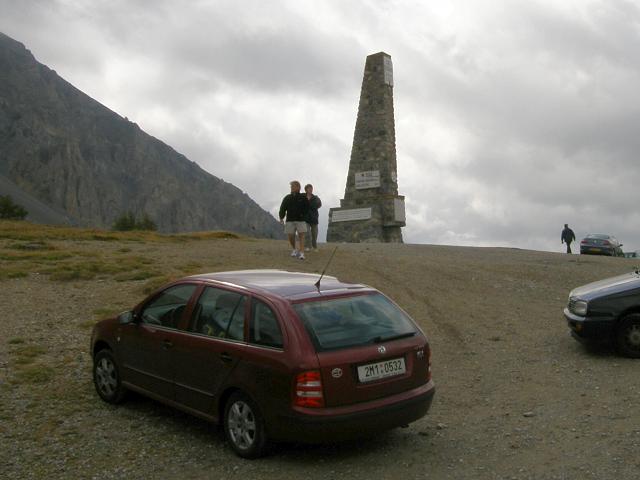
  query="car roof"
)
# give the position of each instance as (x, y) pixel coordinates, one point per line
(598, 235)
(290, 285)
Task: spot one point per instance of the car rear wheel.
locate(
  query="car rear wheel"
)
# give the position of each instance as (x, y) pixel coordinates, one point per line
(628, 335)
(244, 426)
(106, 377)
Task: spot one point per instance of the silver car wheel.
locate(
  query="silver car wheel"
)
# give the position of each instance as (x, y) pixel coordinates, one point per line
(242, 425)
(106, 376)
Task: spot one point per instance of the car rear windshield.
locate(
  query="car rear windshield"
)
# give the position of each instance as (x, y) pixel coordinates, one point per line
(353, 321)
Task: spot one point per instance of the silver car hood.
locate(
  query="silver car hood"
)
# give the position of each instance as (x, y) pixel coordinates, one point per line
(607, 286)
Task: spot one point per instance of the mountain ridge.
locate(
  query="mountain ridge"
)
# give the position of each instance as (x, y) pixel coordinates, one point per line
(79, 158)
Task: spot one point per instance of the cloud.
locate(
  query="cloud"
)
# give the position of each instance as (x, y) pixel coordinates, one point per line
(512, 118)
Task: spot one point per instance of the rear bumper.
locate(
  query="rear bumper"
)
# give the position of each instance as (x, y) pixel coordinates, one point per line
(353, 421)
(590, 250)
(586, 329)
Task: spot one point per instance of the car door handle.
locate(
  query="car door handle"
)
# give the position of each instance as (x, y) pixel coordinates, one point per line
(225, 357)
(167, 344)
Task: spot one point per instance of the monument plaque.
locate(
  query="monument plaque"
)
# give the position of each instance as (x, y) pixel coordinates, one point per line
(388, 71)
(367, 179)
(371, 210)
(398, 209)
(351, 215)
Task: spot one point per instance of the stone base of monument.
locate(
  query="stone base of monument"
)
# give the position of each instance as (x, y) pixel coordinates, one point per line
(380, 222)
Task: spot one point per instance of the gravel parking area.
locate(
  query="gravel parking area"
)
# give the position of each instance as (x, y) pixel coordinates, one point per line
(516, 397)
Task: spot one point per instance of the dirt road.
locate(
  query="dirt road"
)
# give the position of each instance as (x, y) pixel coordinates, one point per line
(517, 398)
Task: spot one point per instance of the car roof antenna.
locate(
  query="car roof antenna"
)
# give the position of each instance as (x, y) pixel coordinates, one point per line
(317, 284)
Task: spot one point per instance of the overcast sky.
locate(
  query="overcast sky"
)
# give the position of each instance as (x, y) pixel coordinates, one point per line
(512, 117)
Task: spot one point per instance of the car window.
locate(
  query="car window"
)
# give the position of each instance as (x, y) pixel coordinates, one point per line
(219, 313)
(167, 308)
(264, 328)
(351, 321)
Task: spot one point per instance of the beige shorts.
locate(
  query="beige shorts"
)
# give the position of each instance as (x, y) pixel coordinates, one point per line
(293, 227)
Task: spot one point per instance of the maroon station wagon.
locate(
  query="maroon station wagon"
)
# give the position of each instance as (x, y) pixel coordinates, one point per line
(270, 355)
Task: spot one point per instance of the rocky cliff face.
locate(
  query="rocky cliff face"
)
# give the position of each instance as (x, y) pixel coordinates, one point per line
(73, 154)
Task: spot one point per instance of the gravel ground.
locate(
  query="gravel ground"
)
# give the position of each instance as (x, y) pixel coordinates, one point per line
(516, 397)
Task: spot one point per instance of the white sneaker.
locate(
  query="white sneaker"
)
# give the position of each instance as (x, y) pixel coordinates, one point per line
(294, 253)
(301, 257)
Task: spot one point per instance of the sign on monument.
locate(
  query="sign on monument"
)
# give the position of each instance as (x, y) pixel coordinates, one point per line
(351, 215)
(369, 179)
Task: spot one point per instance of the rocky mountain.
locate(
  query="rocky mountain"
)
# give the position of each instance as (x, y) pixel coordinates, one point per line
(69, 159)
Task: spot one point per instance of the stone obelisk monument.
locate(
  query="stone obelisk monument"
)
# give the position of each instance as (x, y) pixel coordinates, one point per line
(371, 210)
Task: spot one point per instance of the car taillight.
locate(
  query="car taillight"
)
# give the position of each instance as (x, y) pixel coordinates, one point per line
(583, 242)
(429, 364)
(308, 390)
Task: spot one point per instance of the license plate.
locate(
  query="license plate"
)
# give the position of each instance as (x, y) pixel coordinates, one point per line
(376, 371)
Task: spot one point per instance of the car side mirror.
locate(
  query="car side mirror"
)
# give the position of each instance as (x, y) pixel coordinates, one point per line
(126, 317)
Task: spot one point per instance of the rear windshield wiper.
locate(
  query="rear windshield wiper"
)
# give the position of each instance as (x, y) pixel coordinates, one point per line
(381, 339)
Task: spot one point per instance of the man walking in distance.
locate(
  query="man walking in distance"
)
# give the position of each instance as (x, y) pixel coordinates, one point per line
(312, 215)
(295, 206)
(567, 236)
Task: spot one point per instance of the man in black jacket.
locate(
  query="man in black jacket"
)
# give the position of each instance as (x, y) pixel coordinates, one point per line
(312, 216)
(295, 206)
(567, 236)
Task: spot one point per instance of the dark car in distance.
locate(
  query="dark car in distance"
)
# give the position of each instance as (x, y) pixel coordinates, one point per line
(601, 244)
(607, 310)
(270, 355)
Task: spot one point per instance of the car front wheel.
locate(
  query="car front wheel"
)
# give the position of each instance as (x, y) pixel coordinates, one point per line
(244, 426)
(106, 377)
(628, 336)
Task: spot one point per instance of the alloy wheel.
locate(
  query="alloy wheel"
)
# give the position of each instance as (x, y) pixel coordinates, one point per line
(241, 425)
(106, 377)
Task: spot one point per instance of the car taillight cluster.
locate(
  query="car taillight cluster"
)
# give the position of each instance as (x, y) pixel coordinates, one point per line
(428, 363)
(308, 390)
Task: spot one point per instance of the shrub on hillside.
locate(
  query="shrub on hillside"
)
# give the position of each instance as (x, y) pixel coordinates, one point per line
(10, 210)
(145, 223)
(127, 221)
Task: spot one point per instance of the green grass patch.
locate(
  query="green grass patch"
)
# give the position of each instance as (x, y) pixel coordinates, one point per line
(88, 323)
(191, 267)
(9, 274)
(154, 283)
(35, 373)
(135, 275)
(67, 273)
(26, 231)
(16, 341)
(122, 269)
(26, 354)
(31, 246)
(207, 235)
(106, 311)
(38, 256)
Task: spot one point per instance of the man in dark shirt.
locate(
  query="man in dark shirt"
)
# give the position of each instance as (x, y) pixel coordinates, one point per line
(567, 236)
(312, 215)
(295, 206)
